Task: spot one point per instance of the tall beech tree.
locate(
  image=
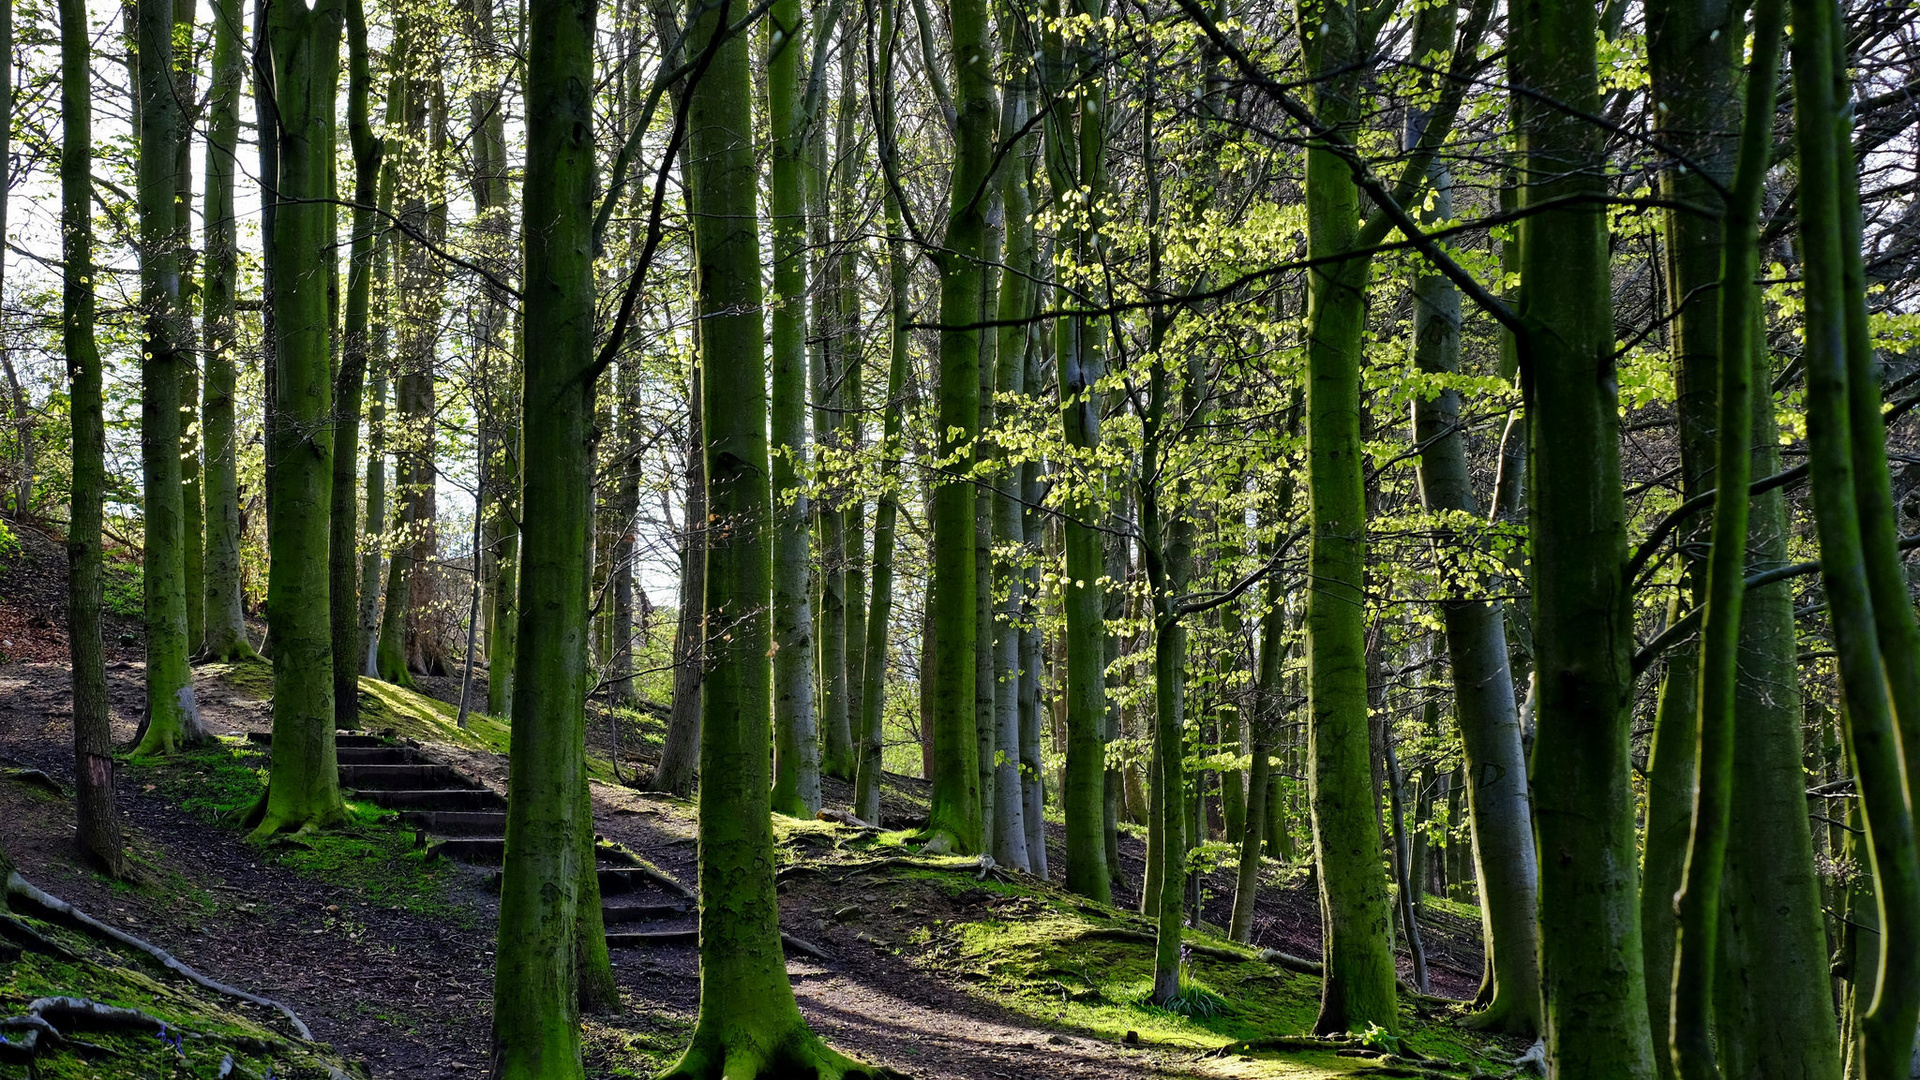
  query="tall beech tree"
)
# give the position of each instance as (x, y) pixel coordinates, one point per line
(748, 1025)
(549, 854)
(303, 788)
(343, 556)
(1590, 939)
(225, 629)
(173, 714)
(954, 819)
(796, 745)
(95, 802)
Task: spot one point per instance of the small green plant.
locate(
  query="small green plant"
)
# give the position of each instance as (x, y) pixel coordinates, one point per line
(123, 589)
(9, 544)
(1194, 999)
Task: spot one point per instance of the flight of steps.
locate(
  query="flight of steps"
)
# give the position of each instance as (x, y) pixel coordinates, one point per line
(467, 822)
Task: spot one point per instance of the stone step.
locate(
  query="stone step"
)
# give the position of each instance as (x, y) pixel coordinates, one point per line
(378, 755)
(470, 799)
(401, 777)
(624, 880)
(340, 739)
(652, 939)
(628, 914)
(478, 850)
(457, 822)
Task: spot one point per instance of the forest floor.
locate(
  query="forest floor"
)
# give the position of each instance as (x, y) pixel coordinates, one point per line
(932, 968)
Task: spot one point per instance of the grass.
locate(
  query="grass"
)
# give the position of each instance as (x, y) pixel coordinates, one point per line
(642, 1046)
(406, 714)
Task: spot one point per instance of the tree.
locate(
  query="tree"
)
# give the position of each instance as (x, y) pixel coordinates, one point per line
(1075, 156)
(173, 716)
(95, 800)
(343, 557)
(796, 745)
(748, 1024)
(954, 819)
(225, 630)
(1590, 941)
(303, 789)
(549, 855)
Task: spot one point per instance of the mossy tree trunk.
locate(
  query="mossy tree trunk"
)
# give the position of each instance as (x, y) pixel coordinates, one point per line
(303, 788)
(1358, 985)
(1075, 157)
(1484, 705)
(173, 716)
(955, 816)
(748, 1024)
(349, 384)
(225, 628)
(796, 744)
(1590, 939)
(549, 853)
(95, 803)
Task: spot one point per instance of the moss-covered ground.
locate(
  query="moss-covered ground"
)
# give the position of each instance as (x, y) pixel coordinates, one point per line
(204, 1030)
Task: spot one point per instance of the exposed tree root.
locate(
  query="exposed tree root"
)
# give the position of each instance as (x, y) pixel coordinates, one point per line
(1201, 948)
(18, 888)
(26, 937)
(799, 1054)
(35, 778)
(48, 1021)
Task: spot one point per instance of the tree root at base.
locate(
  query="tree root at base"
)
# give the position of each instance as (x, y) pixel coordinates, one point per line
(798, 1055)
(58, 910)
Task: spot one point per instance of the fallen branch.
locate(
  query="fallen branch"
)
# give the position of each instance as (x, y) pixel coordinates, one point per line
(36, 778)
(21, 889)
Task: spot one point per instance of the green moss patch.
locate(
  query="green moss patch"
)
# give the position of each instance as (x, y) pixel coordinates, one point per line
(370, 853)
(211, 1028)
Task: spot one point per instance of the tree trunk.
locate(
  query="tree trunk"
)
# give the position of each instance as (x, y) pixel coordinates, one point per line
(680, 750)
(1590, 952)
(748, 1024)
(1358, 984)
(1484, 705)
(796, 743)
(955, 816)
(193, 520)
(173, 717)
(549, 852)
(95, 801)
(349, 383)
(225, 628)
(303, 789)
(1266, 717)
(1852, 511)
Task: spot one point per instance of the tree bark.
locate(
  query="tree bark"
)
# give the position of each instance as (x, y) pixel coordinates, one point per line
(95, 801)
(1590, 952)
(549, 854)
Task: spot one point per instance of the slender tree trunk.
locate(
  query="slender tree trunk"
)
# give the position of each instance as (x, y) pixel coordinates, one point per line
(344, 547)
(1591, 957)
(549, 854)
(1010, 830)
(1266, 717)
(853, 514)
(1484, 705)
(225, 628)
(1846, 451)
(830, 644)
(173, 717)
(796, 743)
(955, 816)
(680, 750)
(1075, 162)
(1358, 985)
(95, 801)
(193, 519)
